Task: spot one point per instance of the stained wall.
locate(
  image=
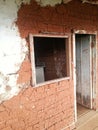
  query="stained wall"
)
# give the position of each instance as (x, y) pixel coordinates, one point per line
(50, 106)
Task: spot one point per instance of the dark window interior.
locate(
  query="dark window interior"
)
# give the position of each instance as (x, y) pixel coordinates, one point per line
(51, 57)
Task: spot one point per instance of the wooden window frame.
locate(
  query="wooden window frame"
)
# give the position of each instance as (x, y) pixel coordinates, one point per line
(32, 58)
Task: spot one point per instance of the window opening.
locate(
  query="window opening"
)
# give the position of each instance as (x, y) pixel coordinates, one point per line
(51, 58)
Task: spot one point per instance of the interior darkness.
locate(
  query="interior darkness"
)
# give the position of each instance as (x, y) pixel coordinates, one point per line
(50, 53)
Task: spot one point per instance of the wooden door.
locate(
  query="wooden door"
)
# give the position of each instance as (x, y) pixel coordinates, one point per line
(83, 70)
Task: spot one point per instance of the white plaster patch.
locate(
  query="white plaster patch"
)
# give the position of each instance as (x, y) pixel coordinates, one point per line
(19, 2)
(8, 86)
(51, 2)
(12, 56)
(91, 2)
(13, 48)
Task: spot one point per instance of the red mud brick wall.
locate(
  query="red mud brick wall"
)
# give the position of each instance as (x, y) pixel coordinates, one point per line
(61, 18)
(48, 107)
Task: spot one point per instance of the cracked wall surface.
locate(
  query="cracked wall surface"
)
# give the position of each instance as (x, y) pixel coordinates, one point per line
(13, 48)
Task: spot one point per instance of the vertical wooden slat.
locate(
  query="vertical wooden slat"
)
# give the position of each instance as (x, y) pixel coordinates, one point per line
(74, 75)
(93, 73)
(32, 59)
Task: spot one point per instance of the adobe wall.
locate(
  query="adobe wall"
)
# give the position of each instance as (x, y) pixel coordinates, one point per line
(46, 107)
(64, 18)
(51, 106)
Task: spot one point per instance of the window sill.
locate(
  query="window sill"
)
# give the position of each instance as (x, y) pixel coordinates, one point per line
(51, 81)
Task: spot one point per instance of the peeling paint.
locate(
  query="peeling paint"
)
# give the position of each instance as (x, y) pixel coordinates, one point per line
(13, 48)
(51, 2)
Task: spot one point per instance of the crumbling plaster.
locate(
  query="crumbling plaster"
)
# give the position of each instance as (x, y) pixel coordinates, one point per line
(91, 1)
(54, 2)
(13, 48)
(51, 2)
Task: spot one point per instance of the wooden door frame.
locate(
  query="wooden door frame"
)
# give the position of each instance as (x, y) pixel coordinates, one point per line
(74, 32)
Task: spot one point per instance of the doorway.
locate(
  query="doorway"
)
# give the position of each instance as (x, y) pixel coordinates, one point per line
(85, 72)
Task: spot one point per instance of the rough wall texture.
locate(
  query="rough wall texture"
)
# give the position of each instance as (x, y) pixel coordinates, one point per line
(90, 1)
(12, 49)
(51, 2)
(48, 107)
(61, 18)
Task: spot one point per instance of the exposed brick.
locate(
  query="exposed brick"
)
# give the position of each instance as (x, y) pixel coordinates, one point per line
(25, 72)
(29, 128)
(51, 106)
(36, 127)
(4, 116)
(7, 128)
(16, 124)
(51, 128)
(2, 125)
(2, 108)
